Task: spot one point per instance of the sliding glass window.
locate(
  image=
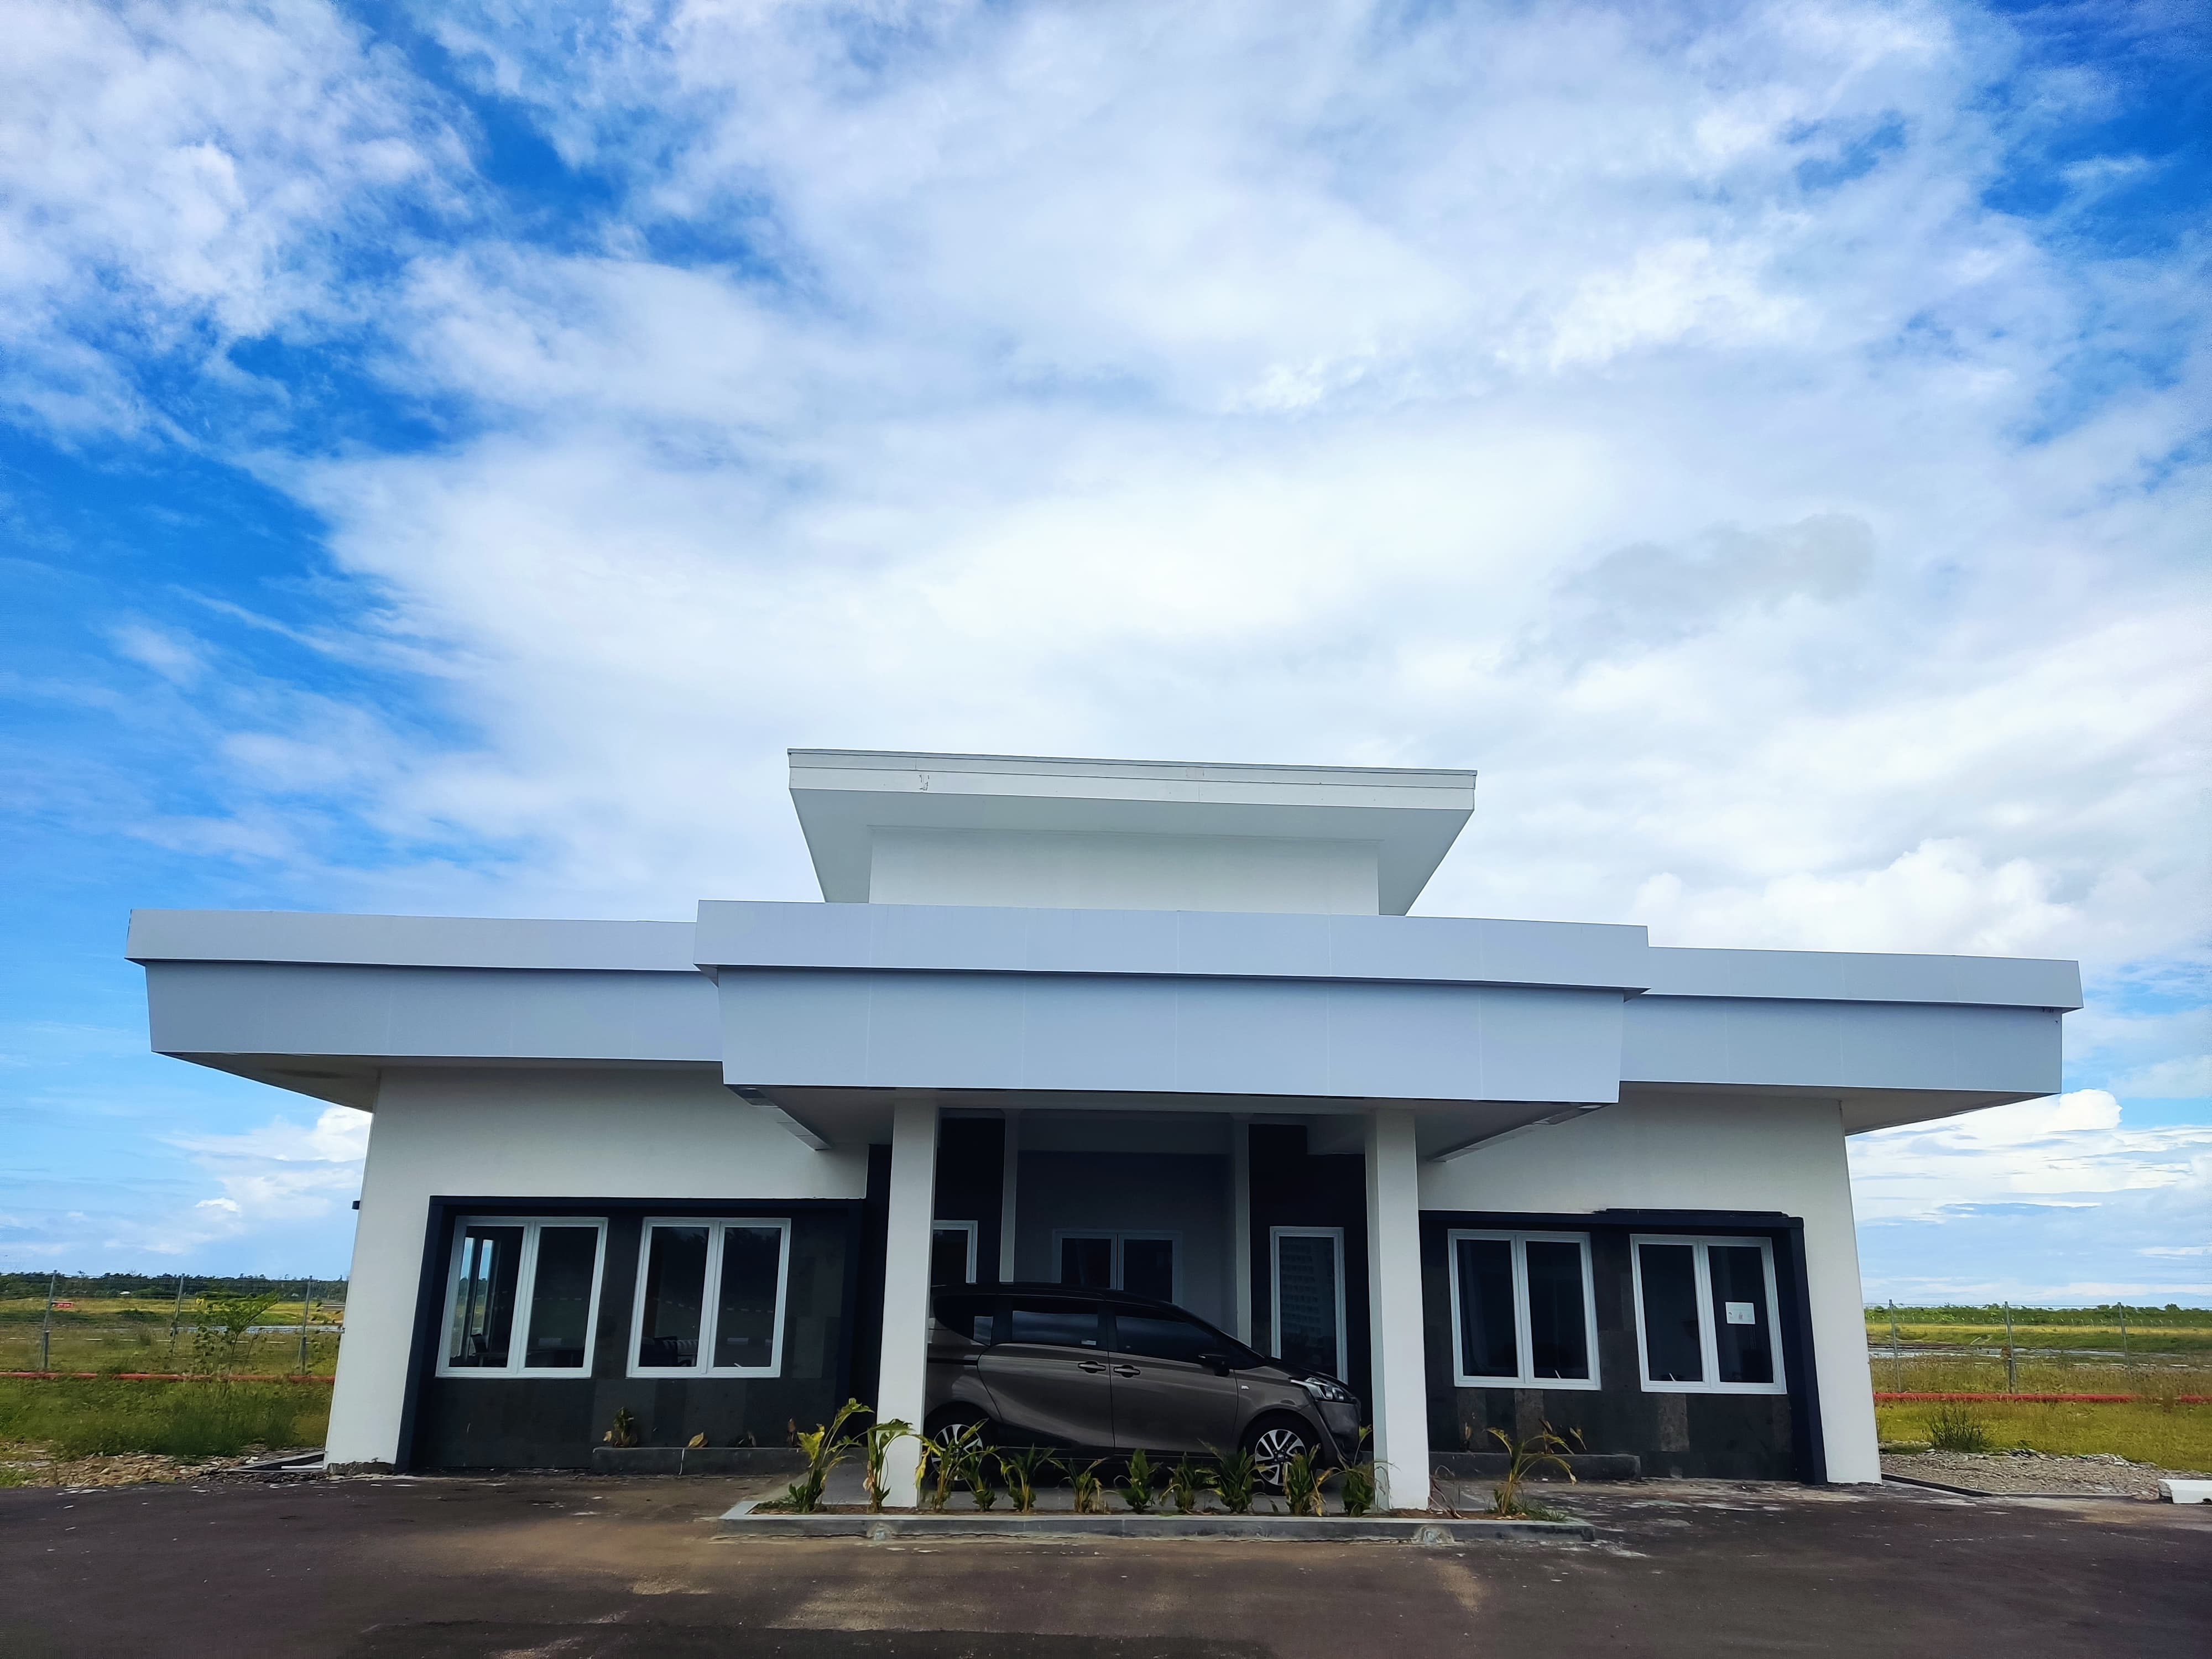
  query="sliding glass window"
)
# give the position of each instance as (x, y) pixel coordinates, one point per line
(523, 1297)
(1704, 1316)
(710, 1297)
(1524, 1311)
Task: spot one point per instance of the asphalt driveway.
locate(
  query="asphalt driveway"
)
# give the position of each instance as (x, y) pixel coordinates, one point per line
(585, 1568)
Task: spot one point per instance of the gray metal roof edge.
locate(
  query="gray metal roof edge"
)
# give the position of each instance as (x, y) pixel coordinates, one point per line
(1863, 977)
(319, 938)
(893, 760)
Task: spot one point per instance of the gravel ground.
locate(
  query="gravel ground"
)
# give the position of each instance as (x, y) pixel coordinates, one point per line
(2100, 1474)
(23, 1466)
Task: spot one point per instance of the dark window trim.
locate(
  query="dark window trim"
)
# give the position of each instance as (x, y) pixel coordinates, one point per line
(1808, 1449)
(437, 1263)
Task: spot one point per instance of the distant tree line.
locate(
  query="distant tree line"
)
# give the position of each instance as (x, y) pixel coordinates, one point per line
(163, 1287)
(2140, 1314)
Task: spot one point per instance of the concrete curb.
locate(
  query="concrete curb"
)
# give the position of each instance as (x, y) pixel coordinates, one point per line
(2006, 1496)
(747, 1520)
(1585, 1465)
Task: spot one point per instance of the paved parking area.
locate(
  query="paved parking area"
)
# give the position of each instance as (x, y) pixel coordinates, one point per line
(582, 1569)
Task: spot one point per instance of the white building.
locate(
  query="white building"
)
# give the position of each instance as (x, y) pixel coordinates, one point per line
(1167, 1026)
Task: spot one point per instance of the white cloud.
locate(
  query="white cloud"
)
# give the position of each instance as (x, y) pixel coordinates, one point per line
(281, 1173)
(1656, 418)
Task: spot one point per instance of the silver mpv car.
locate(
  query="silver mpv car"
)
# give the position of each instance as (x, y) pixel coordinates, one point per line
(1103, 1373)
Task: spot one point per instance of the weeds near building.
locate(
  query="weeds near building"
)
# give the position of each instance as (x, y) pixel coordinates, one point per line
(1954, 1426)
(1302, 1483)
(824, 1448)
(624, 1431)
(1358, 1492)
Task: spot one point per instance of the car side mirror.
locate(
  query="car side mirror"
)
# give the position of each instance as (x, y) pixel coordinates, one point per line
(1217, 1363)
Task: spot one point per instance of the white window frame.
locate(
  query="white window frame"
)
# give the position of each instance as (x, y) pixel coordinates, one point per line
(525, 1286)
(1275, 1237)
(967, 1227)
(1523, 1338)
(1708, 1345)
(1116, 1235)
(710, 1297)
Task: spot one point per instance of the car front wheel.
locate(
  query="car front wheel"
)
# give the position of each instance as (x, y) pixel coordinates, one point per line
(1273, 1442)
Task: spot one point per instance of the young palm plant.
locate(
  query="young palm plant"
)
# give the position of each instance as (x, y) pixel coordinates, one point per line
(1187, 1483)
(1136, 1487)
(1236, 1476)
(943, 1461)
(1090, 1493)
(877, 1442)
(824, 1448)
(1358, 1488)
(1302, 1485)
(1019, 1470)
(1545, 1449)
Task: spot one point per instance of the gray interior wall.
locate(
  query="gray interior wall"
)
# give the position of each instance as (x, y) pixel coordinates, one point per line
(1181, 1193)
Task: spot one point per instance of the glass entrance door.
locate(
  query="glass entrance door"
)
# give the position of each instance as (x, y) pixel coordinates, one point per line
(1308, 1275)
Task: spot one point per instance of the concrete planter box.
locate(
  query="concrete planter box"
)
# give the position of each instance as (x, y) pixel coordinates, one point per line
(698, 1460)
(1586, 1465)
(746, 1520)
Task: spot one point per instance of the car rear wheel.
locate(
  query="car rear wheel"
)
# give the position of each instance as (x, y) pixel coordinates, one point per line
(1273, 1442)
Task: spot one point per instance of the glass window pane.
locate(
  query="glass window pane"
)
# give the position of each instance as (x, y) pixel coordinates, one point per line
(1087, 1261)
(966, 1317)
(948, 1257)
(483, 1297)
(1670, 1313)
(1148, 1268)
(1305, 1302)
(1165, 1339)
(560, 1297)
(1558, 1335)
(1743, 1329)
(1061, 1324)
(675, 1291)
(744, 1318)
(1486, 1343)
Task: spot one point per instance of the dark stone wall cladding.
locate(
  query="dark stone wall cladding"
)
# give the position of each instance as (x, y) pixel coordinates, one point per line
(1690, 1436)
(548, 1423)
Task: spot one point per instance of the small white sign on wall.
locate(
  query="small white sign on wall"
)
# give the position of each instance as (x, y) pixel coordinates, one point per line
(1741, 1313)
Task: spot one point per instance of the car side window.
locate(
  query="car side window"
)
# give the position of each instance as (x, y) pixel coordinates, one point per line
(1052, 1322)
(968, 1317)
(1152, 1337)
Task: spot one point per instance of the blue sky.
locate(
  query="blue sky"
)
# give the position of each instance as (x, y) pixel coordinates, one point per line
(448, 453)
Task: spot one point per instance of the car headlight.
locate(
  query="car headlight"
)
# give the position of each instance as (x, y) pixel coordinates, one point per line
(1328, 1388)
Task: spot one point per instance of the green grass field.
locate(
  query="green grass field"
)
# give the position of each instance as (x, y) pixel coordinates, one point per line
(180, 1419)
(121, 1333)
(2171, 1436)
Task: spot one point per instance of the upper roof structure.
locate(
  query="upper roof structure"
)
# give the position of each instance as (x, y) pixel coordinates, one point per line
(1000, 829)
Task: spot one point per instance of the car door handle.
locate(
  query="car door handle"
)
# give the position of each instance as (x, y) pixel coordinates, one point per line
(1091, 1366)
(1127, 1370)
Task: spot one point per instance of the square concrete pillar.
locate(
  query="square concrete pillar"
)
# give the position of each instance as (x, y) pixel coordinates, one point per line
(1400, 1389)
(904, 1376)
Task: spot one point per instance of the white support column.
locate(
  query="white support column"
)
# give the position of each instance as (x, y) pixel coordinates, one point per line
(1009, 1180)
(1393, 1311)
(905, 1377)
(1240, 1161)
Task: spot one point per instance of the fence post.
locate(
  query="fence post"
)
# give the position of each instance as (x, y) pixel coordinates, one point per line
(306, 1285)
(46, 1328)
(1896, 1356)
(176, 1318)
(2012, 1367)
(2123, 1336)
